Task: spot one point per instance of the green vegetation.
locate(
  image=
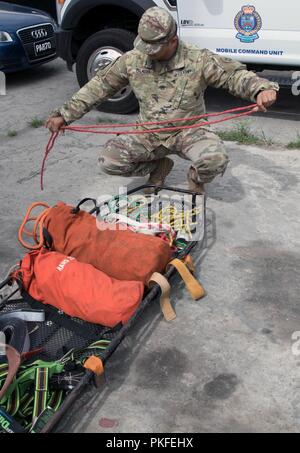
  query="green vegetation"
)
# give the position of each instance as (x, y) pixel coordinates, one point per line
(241, 134)
(36, 122)
(12, 133)
(295, 144)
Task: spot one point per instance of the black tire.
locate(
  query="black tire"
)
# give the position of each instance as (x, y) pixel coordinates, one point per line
(119, 39)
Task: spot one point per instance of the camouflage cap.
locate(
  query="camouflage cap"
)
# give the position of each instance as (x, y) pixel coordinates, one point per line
(157, 26)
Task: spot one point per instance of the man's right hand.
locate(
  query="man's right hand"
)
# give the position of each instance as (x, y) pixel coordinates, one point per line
(55, 123)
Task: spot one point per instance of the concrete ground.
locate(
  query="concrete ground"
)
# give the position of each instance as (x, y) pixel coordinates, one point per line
(226, 364)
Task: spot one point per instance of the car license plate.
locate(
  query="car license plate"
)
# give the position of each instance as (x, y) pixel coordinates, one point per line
(41, 48)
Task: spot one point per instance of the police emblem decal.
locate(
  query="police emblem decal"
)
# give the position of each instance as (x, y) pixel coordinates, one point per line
(248, 22)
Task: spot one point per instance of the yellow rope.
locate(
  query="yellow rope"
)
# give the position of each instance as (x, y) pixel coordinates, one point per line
(178, 220)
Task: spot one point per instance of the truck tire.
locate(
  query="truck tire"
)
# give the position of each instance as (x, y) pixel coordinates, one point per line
(99, 50)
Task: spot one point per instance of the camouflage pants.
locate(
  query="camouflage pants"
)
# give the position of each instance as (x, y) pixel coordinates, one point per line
(137, 155)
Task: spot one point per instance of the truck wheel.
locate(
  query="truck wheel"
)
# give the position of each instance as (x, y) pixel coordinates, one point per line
(97, 52)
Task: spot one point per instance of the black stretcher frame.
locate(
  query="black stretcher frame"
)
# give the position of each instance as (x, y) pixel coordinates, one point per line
(120, 334)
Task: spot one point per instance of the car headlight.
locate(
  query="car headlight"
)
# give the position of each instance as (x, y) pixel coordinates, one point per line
(5, 37)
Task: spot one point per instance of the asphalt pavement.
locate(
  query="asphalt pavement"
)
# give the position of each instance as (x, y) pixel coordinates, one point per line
(229, 362)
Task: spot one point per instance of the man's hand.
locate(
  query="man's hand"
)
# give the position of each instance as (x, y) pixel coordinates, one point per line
(264, 100)
(55, 123)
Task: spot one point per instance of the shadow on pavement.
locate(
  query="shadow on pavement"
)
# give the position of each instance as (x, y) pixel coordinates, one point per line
(30, 76)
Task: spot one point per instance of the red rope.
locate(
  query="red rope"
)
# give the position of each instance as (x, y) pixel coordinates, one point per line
(175, 120)
(98, 129)
(49, 147)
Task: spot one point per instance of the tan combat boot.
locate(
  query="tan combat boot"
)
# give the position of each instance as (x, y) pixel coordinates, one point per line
(194, 186)
(158, 175)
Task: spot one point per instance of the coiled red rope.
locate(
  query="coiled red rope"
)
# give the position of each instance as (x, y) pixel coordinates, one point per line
(109, 129)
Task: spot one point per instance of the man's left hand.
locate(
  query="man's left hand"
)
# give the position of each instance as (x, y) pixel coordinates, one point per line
(264, 100)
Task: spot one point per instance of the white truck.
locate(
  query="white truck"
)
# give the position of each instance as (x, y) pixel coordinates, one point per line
(263, 34)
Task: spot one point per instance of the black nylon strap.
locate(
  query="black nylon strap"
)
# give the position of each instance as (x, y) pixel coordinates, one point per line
(48, 241)
(77, 208)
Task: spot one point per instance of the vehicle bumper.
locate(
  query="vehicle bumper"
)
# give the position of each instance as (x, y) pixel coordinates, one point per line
(14, 66)
(16, 55)
(64, 46)
(13, 58)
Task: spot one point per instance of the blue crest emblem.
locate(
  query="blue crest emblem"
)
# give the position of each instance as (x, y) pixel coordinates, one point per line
(248, 22)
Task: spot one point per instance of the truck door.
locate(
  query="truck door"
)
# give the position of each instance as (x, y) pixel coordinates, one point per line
(261, 32)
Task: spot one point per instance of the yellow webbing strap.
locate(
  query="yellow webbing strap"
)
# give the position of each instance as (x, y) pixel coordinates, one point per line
(185, 269)
(165, 302)
(188, 261)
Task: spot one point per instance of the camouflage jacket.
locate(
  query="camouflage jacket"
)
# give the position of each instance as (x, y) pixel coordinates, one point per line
(167, 90)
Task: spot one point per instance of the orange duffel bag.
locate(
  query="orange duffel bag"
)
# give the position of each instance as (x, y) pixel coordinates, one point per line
(78, 289)
(121, 254)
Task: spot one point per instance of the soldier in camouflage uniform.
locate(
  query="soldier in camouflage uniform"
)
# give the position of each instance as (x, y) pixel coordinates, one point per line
(169, 78)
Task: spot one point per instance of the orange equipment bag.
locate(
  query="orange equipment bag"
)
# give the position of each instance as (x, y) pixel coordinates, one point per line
(121, 254)
(78, 289)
